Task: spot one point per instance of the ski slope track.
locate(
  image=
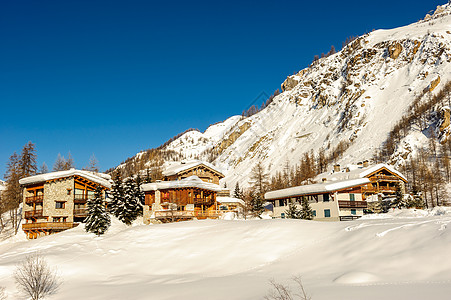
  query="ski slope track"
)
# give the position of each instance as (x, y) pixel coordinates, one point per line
(399, 255)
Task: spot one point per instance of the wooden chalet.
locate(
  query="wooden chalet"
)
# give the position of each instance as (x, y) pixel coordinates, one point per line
(56, 201)
(341, 194)
(178, 200)
(205, 171)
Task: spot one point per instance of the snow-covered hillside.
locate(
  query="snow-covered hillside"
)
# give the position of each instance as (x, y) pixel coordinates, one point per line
(400, 255)
(356, 95)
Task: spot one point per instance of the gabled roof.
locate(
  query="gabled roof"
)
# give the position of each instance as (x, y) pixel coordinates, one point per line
(185, 166)
(357, 172)
(317, 188)
(100, 178)
(189, 182)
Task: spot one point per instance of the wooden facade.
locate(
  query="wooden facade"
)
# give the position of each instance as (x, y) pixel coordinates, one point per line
(201, 170)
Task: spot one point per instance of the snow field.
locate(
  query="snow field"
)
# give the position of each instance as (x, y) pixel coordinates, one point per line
(400, 255)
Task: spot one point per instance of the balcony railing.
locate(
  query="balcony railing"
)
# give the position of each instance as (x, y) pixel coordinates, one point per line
(80, 212)
(352, 204)
(82, 198)
(49, 226)
(387, 189)
(384, 178)
(33, 199)
(187, 214)
(33, 213)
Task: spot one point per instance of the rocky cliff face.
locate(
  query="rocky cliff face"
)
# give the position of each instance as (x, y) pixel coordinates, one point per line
(355, 95)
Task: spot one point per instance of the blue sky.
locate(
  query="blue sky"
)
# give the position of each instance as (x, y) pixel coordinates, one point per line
(116, 77)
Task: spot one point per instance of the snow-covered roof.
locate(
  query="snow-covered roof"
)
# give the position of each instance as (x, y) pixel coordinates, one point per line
(229, 200)
(100, 178)
(189, 182)
(317, 188)
(186, 165)
(355, 172)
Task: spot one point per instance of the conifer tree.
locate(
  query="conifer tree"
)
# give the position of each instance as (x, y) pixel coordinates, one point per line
(130, 208)
(98, 221)
(259, 180)
(293, 212)
(257, 205)
(27, 162)
(44, 169)
(117, 193)
(306, 210)
(60, 163)
(69, 162)
(237, 193)
(12, 196)
(93, 164)
(138, 193)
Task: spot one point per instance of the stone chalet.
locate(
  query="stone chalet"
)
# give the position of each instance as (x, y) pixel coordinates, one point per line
(56, 201)
(341, 194)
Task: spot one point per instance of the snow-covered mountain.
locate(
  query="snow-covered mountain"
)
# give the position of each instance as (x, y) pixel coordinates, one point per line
(355, 95)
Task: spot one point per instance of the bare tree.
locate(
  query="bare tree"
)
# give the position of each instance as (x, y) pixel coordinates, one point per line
(35, 278)
(281, 291)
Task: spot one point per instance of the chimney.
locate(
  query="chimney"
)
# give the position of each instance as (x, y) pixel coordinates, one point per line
(365, 163)
(323, 179)
(360, 164)
(347, 169)
(337, 168)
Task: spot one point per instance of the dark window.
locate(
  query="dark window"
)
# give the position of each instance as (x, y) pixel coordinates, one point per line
(281, 203)
(327, 213)
(282, 215)
(351, 197)
(59, 204)
(314, 213)
(353, 212)
(325, 197)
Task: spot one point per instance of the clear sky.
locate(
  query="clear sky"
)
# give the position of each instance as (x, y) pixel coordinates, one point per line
(116, 77)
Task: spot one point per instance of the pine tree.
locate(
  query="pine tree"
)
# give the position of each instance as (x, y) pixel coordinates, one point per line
(138, 193)
(12, 196)
(306, 210)
(237, 193)
(259, 180)
(117, 193)
(93, 164)
(69, 162)
(293, 212)
(44, 169)
(399, 201)
(130, 208)
(98, 221)
(257, 205)
(27, 162)
(60, 163)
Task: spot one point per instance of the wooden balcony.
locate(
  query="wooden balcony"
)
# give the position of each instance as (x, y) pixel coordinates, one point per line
(34, 199)
(187, 214)
(81, 212)
(382, 189)
(384, 178)
(33, 214)
(81, 199)
(49, 226)
(352, 204)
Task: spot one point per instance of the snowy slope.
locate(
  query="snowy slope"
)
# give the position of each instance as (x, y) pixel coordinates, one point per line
(401, 255)
(356, 95)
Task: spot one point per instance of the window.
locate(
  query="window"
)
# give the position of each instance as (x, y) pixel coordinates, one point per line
(353, 212)
(282, 215)
(314, 213)
(325, 197)
(281, 203)
(69, 191)
(327, 213)
(59, 204)
(351, 197)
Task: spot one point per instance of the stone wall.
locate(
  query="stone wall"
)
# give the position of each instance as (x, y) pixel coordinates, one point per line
(57, 191)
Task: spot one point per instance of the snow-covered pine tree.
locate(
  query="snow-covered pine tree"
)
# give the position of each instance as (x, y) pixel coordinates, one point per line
(293, 212)
(306, 210)
(138, 193)
(257, 205)
(117, 193)
(399, 201)
(98, 220)
(237, 192)
(129, 209)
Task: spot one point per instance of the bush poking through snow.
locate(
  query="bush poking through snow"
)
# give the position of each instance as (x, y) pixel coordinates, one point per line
(281, 291)
(2, 293)
(35, 278)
